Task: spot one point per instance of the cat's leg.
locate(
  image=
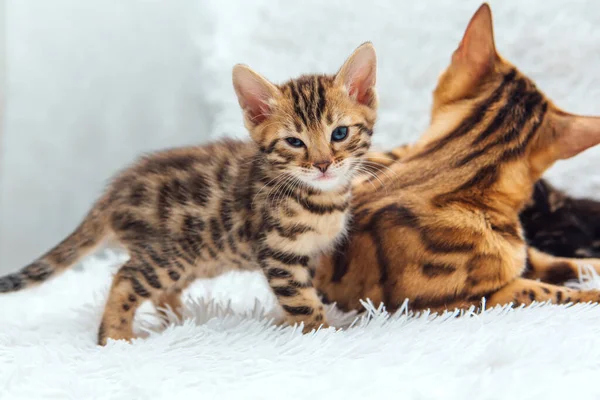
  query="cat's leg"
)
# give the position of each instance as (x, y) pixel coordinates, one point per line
(170, 300)
(525, 291)
(129, 289)
(555, 270)
(149, 274)
(290, 279)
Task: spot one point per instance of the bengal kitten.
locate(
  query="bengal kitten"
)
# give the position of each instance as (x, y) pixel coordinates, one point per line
(441, 228)
(269, 204)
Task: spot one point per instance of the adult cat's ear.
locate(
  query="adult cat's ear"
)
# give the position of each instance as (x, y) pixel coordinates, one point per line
(358, 75)
(476, 52)
(254, 92)
(575, 133)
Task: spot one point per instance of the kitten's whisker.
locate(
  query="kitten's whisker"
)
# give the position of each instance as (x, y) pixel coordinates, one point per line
(352, 176)
(294, 186)
(276, 188)
(376, 168)
(274, 198)
(274, 194)
(296, 182)
(377, 171)
(267, 184)
(373, 176)
(380, 166)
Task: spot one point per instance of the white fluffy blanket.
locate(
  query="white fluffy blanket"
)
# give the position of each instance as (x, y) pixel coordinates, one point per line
(233, 351)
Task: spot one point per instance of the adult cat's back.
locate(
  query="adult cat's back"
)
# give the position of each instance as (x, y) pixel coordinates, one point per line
(441, 227)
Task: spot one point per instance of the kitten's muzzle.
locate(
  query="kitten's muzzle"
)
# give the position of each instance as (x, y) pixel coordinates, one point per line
(322, 165)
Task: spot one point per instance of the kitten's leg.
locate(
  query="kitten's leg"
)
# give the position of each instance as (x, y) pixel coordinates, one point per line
(170, 300)
(134, 283)
(290, 279)
(525, 291)
(556, 270)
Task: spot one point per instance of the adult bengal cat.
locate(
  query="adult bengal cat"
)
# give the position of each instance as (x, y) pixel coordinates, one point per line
(442, 228)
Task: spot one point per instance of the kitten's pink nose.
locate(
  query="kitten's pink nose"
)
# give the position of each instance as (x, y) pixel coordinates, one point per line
(322, 165)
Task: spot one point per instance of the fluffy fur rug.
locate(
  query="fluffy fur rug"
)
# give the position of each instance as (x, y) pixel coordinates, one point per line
(229, 348)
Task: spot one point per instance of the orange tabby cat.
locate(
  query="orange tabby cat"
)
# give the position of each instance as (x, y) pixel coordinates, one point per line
(441, 227)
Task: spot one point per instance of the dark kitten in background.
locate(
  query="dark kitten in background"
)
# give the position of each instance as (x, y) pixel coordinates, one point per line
(561, 225)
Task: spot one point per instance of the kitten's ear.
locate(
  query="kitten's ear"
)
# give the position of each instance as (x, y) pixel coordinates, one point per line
(575, 134)
(477, 51)
(358, 75)
(254, 94)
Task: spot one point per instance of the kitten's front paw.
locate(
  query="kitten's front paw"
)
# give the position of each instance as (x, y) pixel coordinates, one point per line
(317, 321)
(314, 326)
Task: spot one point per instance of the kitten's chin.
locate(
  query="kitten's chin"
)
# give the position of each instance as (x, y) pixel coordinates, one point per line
(329, 184)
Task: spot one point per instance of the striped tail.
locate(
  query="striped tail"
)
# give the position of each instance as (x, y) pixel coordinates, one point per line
(78, 244)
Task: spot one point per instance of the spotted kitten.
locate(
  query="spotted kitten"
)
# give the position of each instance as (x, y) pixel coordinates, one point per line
(270, 204)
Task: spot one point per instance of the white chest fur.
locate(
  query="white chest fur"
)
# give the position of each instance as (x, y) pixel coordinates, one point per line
(324, 230)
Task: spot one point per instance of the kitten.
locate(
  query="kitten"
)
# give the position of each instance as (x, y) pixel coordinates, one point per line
(271, 203)
(561, 225)
(441, 227)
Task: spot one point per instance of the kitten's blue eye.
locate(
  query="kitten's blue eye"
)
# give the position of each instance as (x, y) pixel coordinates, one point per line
(340, 133)
(294, 142)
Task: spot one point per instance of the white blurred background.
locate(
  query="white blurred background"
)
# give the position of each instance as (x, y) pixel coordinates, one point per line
(90, 84)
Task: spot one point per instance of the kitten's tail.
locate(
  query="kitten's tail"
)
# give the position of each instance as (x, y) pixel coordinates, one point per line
(86, 238)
